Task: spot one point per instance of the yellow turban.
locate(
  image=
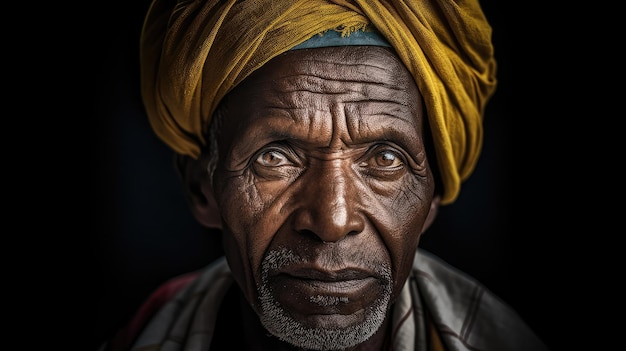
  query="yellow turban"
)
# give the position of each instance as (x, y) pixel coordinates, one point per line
(194, 52)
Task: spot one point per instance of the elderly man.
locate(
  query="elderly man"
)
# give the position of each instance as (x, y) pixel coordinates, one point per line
(321, 137)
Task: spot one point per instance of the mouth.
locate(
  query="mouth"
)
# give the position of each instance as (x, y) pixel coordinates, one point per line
(307, 292)
(325, 291)
(311, 273)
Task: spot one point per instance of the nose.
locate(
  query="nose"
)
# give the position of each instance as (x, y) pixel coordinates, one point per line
(329, 204)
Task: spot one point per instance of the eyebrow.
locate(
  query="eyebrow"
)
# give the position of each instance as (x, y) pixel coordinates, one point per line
(369, 128)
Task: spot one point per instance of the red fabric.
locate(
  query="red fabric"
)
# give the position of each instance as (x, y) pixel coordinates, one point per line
(124, 338)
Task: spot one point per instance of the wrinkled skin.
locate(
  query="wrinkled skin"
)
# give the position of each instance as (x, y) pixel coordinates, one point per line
(323, 189)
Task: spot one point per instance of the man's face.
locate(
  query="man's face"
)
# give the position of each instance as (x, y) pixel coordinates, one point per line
(324, 188)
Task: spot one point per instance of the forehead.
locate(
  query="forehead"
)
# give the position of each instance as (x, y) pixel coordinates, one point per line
(328, 68)
(315, 90)
(352, 63)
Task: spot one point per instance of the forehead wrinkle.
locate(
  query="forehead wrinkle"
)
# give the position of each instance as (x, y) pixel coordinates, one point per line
(300, 101)
(314, 122)
(340, 85)
(297, 96)
(338, 123)
(383, 126)
(393, 109)
(329, 68)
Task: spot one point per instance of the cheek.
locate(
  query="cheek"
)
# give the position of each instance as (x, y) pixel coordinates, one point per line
(250, 221)
(407, 204)
(403, 213)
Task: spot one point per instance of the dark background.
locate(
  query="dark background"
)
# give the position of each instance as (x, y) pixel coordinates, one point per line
(141, 233)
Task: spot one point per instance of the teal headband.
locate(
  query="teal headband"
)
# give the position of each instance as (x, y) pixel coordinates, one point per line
(335, 38)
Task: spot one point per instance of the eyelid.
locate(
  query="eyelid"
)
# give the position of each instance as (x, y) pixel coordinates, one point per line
(279, 147)
(379, 147)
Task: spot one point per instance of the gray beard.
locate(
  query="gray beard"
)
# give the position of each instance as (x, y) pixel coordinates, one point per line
(278, 321)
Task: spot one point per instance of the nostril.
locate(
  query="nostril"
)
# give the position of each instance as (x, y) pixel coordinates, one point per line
(309, 234)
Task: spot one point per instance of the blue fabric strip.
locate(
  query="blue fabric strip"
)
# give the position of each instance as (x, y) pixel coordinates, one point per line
(334, 38)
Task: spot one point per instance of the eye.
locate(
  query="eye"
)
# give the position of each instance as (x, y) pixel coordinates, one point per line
(272, 158)
(384, 162)
(383, 158)
(277, 161)
(387, 159)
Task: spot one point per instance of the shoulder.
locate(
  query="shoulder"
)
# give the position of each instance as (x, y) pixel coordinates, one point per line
(174, 288)
(467, 314)
(159, 297)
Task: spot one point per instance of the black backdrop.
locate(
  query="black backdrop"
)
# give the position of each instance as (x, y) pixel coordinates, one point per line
(142, 233)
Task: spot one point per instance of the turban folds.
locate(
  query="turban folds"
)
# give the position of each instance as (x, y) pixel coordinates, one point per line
(193, 53)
